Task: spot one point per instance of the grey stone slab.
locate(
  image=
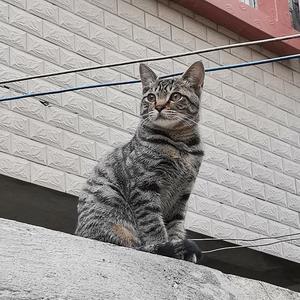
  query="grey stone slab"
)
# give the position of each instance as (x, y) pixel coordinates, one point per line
(37, 263)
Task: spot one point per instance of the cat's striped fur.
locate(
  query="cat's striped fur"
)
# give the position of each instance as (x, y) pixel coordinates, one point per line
(137, 195)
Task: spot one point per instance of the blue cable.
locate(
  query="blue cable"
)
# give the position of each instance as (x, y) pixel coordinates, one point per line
(100, 85)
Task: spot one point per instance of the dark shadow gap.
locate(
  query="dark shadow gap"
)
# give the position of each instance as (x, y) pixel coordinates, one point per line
(29, 203)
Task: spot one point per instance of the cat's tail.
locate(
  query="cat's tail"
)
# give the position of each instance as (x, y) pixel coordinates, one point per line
(180, 249)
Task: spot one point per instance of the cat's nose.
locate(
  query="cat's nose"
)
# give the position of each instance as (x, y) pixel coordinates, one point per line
(159, 108)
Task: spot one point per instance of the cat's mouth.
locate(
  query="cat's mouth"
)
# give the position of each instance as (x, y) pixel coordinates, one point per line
(164, 120)
(163, 115)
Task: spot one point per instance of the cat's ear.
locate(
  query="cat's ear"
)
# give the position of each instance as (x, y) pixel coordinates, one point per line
(148, 77)
(194, 75)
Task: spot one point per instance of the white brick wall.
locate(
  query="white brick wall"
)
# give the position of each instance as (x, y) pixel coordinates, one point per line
(249, 183)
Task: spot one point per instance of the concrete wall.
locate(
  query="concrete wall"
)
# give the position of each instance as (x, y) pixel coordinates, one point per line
(42, 264)
(249, 184)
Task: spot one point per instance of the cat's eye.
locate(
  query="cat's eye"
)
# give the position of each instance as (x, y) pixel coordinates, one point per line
(175, 97)
(151, 98)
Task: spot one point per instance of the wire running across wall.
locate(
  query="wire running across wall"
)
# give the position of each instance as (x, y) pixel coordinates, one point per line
(108, 84)
(249, 246)
(249, 240)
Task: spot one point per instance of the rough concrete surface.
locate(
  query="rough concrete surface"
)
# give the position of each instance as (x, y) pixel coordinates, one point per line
(37, 263)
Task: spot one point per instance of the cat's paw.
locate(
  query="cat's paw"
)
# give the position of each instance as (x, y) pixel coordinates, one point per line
(192, 252)
(180, 249)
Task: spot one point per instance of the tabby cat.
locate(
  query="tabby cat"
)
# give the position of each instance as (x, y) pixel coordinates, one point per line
(136, 196)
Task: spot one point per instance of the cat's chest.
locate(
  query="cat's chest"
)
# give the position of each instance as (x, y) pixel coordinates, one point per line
(176, 178)
(181, 163)
(174, 172)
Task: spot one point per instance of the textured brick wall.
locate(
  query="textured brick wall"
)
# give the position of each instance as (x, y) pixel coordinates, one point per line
(249, 183)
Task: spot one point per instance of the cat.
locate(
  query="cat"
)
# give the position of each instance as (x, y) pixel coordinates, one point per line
(136, 196)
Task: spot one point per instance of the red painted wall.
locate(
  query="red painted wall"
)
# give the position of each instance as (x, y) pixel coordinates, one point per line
(270, 19)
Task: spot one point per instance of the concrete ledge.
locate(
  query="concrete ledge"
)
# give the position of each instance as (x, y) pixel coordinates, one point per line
(37, 263)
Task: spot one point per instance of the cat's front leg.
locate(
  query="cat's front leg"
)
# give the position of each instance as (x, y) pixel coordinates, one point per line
(148, 215)
(175, 220)
(177, 232)
(153, 232)
(175, 228)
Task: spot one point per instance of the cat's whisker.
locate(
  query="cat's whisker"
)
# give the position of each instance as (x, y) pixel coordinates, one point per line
(146, 114)
(185, 121)
(180, 115)
(170, 113)
(148, 117)
(144, 121)
(189, 122)
(187, 118)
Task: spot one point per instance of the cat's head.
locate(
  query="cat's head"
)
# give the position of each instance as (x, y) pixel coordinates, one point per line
(172, 103)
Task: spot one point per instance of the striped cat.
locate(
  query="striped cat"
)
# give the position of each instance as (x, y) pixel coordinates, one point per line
(137, 195)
